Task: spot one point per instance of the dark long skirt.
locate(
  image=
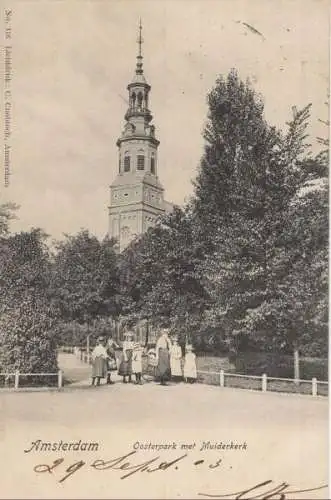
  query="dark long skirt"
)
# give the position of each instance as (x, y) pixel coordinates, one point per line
(163, 371)
(99, 367)
(125, 367)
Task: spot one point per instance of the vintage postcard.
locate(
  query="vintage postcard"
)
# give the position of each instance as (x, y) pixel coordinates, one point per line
(164, 249)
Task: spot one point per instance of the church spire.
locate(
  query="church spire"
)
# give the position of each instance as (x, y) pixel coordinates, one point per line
(140, 41)
(139, 90)
(139, 73)
(136, 193)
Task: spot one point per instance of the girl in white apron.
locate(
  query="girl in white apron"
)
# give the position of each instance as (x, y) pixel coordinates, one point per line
(176, 361)
(190, 367)
(137, 364)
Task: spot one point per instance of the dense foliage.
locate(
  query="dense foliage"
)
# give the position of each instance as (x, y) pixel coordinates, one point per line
(85, 278)
(27, 312)
(243, 266)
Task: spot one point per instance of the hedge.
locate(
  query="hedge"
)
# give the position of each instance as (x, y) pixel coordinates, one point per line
(277, 365)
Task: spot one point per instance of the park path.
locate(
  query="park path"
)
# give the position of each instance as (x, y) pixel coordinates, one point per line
(74, 370)
(77, 372)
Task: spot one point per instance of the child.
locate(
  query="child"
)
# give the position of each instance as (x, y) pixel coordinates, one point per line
(190, 368)
(99, 361)
(176, 361)
(137, 362)
(125, 368)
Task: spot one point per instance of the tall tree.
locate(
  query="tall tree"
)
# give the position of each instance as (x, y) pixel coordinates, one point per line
(7, 213)
(160, 276)
(249, 177)
(27, 312)
(85, 279)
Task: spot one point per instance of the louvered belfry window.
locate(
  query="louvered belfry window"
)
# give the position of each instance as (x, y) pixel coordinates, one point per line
(140, 162)
(126, 163)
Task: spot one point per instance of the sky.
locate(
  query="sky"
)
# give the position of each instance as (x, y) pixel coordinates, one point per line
(72, 61)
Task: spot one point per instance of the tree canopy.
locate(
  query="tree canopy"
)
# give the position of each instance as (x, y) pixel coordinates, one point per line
(85, 279)
(246, 258)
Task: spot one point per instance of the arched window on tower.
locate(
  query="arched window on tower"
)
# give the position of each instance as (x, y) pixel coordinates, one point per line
(119, 164)
(140, 101)
(153, 164)
(126, 162)
(141, 160)
(133, 100)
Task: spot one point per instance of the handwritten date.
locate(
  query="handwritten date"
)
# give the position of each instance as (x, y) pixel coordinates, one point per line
(262, 491)
(120, 464)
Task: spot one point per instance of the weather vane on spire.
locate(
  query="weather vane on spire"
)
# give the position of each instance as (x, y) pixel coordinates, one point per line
(140, 38)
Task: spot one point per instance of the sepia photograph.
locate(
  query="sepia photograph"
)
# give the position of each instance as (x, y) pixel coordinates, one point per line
(164, 225)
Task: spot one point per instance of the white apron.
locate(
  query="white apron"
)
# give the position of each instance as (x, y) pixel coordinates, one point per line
(137, 366)
(175, 361)
(190, 367)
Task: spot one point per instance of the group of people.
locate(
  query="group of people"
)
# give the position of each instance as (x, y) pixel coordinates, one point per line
(166, 359)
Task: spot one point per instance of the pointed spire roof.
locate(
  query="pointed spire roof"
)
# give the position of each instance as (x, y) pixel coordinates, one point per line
(139, 74)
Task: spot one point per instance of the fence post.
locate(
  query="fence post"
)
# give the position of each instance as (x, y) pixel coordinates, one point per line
(314, 386)
(59, 379)
(264, 382)
(17, 379)
(222, 378)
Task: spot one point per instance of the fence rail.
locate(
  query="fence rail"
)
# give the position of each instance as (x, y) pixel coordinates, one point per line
(261, 383)
(264, 383)
(18, 375)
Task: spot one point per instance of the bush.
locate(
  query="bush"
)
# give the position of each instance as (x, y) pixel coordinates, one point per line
(277, 365)
(26, 342)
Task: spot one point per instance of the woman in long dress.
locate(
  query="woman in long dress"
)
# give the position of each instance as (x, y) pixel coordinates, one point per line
(99, 361)
(163, 346)
(176, 361)
(190, 367)
(125, 368)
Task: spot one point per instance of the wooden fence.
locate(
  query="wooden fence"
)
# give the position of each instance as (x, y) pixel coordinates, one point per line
(16, 376)
(264, 383)
(261, 383)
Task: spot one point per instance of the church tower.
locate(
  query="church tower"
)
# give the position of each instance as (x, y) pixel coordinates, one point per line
(136, 195)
